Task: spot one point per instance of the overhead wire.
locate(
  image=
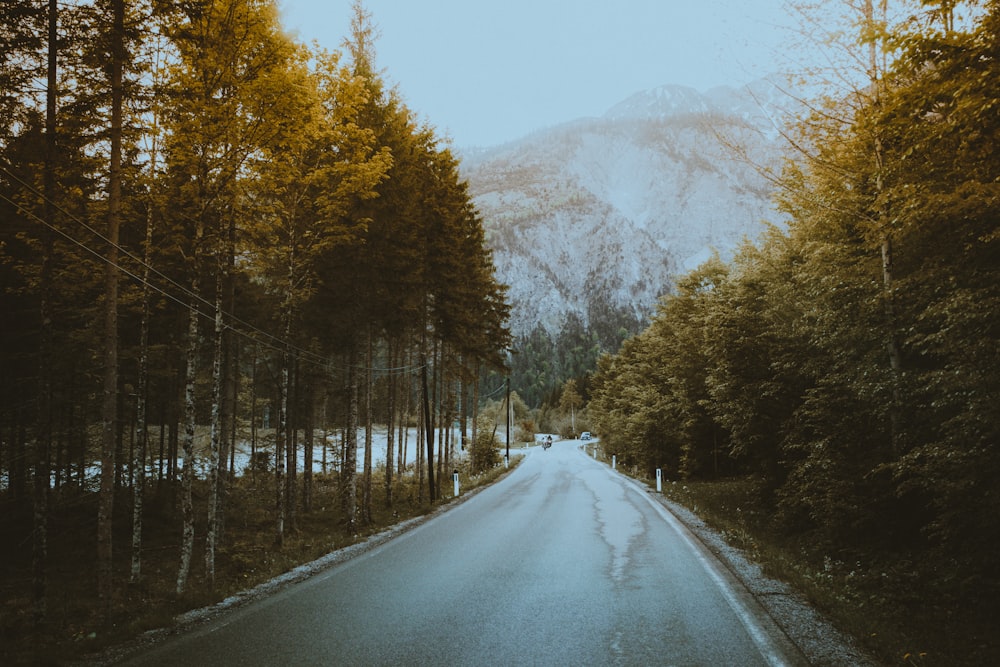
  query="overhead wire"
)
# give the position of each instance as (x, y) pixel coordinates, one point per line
(188, 305)
(277, 344)
(495, 391)
(252, 332)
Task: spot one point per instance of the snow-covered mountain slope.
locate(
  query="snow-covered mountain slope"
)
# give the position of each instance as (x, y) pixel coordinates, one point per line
(598, 216)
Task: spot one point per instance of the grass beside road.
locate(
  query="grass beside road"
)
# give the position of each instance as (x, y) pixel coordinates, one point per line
(885, 600)
(901, 606)
(247, 557)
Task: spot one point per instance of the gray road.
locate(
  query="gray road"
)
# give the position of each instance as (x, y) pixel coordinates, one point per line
(564, 562)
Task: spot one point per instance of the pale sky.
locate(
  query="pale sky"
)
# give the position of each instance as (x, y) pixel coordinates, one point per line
(484, 72)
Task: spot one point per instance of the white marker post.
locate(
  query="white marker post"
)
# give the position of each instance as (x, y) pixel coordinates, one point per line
(614, 461)
(659, 481)
(456, 483)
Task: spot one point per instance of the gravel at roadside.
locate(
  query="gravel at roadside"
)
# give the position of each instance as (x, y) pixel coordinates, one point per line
(822, 643)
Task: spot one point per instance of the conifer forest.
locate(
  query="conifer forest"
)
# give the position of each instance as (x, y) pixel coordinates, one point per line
(213, 235)
(209, 232)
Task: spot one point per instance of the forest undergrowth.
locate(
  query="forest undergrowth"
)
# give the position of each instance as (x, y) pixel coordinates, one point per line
(248, 556)
(900, 604)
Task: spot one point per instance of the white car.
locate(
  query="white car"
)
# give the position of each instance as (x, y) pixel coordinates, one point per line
(585, 435)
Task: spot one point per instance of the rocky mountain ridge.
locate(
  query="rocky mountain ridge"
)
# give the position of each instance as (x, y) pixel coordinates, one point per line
(594, 219)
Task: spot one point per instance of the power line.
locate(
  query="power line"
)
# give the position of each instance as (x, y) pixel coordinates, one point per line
(251, 332)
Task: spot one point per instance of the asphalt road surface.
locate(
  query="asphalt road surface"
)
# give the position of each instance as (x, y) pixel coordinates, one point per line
(563, 562)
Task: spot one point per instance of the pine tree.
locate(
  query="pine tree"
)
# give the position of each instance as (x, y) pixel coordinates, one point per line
(227, 101)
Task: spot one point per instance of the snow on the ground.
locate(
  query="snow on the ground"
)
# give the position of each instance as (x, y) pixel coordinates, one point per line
(265, 442)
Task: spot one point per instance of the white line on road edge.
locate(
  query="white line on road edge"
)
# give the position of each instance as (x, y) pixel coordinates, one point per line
(772, 653)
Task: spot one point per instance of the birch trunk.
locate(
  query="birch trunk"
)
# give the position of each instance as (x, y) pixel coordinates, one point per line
(187, 472)
(279, 451)
(215, 445)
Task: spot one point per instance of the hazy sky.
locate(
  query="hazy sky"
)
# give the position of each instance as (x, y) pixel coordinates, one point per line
(488, 71)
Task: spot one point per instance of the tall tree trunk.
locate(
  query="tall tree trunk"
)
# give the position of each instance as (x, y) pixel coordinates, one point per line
(230, 357)
(253, 416)
(142, 405)
(57, 448)
(163, 433)
(435, 407)
(390, 424)
(406, 387)
(463, 408)
(190, 414)
(187, 472)
(326, 432)
(227, 465)
(366, 487)
(449, 425)
(140, 453)
(173, 437)
(420, 449)
(280, 433)
(43, 437)
(437, 399)
(292, 446)
(507, 419)
(403, 445)
(216, 434)
(475, 402)
(308, 428)
(109, 405)
(20, 456)
(350, 468)
(428, 432)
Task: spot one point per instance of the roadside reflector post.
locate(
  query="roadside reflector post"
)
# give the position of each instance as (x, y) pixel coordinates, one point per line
(614, 461)
(506, 461)
(455, 477)
(659, 481)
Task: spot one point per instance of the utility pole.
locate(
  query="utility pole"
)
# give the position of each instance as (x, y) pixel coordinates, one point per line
(508, 418)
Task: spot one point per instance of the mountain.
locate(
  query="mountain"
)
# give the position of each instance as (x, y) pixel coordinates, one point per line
(591, 221)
